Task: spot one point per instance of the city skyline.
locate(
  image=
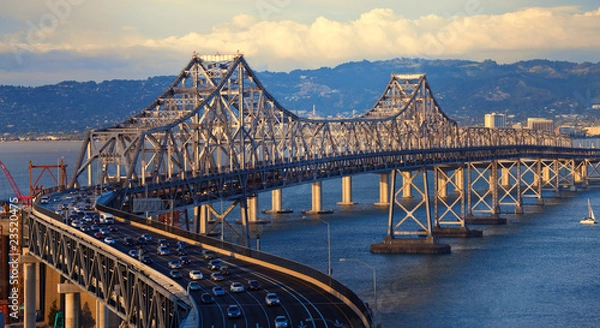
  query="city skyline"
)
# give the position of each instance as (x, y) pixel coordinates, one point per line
(58, 40)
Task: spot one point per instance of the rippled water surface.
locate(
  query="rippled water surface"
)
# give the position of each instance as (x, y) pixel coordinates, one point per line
(541, 269)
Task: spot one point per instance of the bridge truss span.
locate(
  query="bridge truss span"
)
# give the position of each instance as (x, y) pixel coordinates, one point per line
(217, 117)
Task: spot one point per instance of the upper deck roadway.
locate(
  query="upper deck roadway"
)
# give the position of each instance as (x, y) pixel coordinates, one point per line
(216, 133)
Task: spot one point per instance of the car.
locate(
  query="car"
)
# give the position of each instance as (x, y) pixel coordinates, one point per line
(218, 291)
(181, 244)
(133, 253)
(147, 237)
(224, 269)
(214, 265)
(253, 285)
(109, 240)
(181, 251)
(84, 228)
(141, 241)
(193, 285)
(162, 242)
(236, 287)
(44, 200)
(233, 311)
(98, 235)
(208, 254)
(104, 231)
(147, 259)
(272, 299)
(106, 218)
(127, 241)
(196, 275)
(95, 227)
(206, 298)
(113, 228)
(163, 250)
(174, 265)
(281, 322)
(215, 276)
(175, 274)
(76, 223)
(184, 260)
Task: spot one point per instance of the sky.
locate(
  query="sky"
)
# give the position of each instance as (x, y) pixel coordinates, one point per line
(49, 41)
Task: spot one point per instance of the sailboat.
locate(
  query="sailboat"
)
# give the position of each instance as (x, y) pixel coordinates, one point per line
(590, 219)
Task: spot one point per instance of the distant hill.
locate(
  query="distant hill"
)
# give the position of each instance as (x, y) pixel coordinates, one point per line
(466, 90)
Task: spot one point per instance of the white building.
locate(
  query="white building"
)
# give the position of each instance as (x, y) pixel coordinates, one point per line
(540, 124)
(494, 120)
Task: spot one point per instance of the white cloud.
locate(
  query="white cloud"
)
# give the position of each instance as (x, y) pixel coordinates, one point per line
(375, 34)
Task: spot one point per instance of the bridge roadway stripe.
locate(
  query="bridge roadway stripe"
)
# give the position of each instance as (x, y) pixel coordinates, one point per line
(254, 297)
(287, 289)
(258, 262)
(304, 297)
(153, 275)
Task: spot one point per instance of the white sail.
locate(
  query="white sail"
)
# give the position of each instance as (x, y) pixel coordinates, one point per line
(590, 211)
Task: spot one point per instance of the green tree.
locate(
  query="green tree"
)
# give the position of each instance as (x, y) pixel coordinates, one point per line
(52, 313)
(85, 317)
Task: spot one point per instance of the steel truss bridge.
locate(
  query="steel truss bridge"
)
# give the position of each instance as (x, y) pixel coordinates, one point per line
(216, 133)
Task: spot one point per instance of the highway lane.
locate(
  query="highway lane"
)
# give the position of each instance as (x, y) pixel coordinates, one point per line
(302, 303)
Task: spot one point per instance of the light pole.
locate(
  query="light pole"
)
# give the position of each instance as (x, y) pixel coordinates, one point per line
(328, 246)
(374, 275)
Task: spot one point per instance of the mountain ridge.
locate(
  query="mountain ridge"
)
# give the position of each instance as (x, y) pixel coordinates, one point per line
(466, 90)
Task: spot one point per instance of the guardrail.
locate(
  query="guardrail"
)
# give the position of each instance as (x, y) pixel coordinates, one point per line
(336, 288)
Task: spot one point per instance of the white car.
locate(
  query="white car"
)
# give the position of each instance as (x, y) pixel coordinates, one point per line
(174, 265)
(281, 322)
(196, 275)
(236, 287)
(272, 299)
(109, 240)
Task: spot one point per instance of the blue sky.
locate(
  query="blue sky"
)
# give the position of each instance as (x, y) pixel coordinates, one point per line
(48, 41)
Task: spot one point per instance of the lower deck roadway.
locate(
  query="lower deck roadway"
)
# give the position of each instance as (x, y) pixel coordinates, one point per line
(302, 303)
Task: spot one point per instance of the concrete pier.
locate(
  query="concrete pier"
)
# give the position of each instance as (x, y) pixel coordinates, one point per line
(485, 220)
(459, 232)
(346, 192)
(426, 245)
(276, 204)
(252, 202)
(29, 290)
(72, 304)
(317, 200)
(384, 190)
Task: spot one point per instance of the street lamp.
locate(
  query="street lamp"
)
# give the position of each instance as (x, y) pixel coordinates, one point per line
(328, 246)
(374, 275)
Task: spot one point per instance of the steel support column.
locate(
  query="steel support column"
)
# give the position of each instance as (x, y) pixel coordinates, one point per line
(509, 185)
(482, 195)
(413, 233)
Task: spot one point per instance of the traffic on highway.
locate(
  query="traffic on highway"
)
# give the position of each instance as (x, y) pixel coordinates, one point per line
(228, 292)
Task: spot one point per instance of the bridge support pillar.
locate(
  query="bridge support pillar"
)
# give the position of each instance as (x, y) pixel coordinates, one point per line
(384, 190)
(276, 201)
(317, 200)
(201, 219)
(509, 190)
(104, 317)
(449, 211)
(29, 274)
(412, 234)
(483, 207)
(407, 191)
(253, 210)
(346, 191)
(581, 174)
(72, 304)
